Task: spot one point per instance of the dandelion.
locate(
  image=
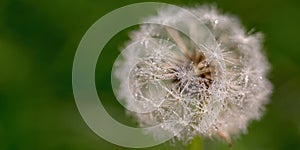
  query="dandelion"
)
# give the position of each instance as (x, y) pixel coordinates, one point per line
(214, 90)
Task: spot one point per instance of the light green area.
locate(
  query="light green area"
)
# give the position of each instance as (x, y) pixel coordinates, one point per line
(38, 40)
(196, 144)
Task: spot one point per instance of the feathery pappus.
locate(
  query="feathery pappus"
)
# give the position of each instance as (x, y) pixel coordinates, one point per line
(214, 90)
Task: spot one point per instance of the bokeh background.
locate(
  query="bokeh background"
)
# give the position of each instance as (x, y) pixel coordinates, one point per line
(38, 40)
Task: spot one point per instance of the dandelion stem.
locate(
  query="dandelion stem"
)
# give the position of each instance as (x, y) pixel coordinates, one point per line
(196, 144)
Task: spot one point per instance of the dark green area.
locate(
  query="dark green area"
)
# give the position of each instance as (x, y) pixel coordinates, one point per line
(38, 40)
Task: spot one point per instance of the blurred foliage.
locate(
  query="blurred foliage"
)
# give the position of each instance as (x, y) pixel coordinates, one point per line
(38, 40)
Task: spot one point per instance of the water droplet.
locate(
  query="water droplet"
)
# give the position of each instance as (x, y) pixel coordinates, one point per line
(216, 22)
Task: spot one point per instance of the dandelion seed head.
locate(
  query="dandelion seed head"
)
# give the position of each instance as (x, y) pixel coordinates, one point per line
(213, 91)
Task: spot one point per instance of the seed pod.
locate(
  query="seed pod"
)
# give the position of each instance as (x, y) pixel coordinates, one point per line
(212, 90)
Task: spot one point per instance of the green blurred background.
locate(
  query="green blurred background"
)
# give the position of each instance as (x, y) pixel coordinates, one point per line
(38, 40)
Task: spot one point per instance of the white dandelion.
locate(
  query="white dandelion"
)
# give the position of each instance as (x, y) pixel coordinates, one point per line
(211, 91)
